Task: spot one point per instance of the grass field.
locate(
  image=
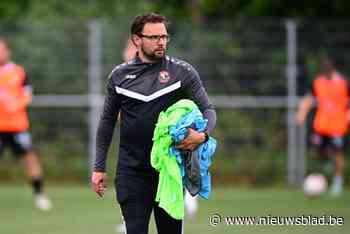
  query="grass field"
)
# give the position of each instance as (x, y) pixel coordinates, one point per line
(78, 211)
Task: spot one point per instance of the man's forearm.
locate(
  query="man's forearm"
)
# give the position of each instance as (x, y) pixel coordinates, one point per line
(207, 108)
(210, 115)
(106, 126)
(103, 140)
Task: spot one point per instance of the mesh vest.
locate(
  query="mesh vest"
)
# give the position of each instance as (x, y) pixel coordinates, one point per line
(13, 114)
(332, 105)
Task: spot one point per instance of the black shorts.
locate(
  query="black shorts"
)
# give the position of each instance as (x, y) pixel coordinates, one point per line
(136, 197)
(19, 142)
(324, 142)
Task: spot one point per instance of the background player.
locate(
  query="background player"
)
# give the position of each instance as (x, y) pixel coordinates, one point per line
(15, 96)
(330, 94)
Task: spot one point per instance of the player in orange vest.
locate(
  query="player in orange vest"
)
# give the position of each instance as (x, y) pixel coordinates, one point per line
(330, 95)
(15, 96)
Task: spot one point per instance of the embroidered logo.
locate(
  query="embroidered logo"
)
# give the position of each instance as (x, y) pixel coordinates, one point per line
(163, 77)
(129, 76)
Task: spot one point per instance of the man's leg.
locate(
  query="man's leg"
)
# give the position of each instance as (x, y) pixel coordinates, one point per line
(35, 175)
(34, 171)
(135, 196)
(320, 154)
(165, 223)
(337, 184)
(191, 204)
(339, 163)
(21, 145)
(135, 223)
(339, 159)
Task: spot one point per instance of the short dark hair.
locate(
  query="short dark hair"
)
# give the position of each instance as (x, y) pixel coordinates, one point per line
(140, 21)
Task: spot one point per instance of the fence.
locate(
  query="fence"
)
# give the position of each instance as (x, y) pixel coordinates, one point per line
(253, 69)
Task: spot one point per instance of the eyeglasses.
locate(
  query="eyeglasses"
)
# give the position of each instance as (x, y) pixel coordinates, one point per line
(156, 38)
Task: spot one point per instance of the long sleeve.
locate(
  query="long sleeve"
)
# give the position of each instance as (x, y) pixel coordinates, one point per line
(196, 92)
(106, 126)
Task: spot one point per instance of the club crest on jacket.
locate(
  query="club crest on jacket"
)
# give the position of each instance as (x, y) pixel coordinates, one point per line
(163, 76)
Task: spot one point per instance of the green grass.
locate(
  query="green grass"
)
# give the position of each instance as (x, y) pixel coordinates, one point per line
(78, 211)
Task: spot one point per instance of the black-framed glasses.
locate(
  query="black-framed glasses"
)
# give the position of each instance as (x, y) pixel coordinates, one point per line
(156, 38)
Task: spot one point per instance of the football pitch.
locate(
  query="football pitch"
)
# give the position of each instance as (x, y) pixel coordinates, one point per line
(78, 211)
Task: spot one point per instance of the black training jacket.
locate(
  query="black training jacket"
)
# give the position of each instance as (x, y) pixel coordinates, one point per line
(140, 91)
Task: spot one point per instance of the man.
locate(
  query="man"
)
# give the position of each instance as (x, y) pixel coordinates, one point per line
(330, 94)
(191, 203)
(15, 96)
(140, 90)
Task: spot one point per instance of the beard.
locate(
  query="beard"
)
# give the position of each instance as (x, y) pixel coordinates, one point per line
(154, 55)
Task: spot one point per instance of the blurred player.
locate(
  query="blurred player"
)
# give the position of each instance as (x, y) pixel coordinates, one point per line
(330, 94)
(130, 51)
(191, 204)
(15, 96)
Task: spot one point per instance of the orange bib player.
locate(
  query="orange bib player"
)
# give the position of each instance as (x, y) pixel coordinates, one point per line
(330, 95)
(15, 96)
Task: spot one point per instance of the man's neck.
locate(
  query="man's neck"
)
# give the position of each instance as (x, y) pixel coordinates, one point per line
(330, 75)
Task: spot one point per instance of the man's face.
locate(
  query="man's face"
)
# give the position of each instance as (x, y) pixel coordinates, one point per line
(4, 53)
(153, 41)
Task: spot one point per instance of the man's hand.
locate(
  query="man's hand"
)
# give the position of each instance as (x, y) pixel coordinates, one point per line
(192, 140)
(304, 108)
(99, 182)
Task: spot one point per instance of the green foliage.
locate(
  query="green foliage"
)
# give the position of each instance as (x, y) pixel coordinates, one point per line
(251, 148)
(52, 10)
(228, 9)
(12, 10)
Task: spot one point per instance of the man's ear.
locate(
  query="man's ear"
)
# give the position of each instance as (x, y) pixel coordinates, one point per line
(136, 40)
